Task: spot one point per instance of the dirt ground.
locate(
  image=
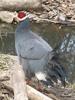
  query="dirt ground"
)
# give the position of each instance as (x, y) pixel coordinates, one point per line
(6, 90)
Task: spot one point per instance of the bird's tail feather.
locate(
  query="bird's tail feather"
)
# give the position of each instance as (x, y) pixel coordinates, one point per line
(56, 72)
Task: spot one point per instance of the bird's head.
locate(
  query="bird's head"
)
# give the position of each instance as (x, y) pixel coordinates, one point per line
(21, 16)
(23, 20)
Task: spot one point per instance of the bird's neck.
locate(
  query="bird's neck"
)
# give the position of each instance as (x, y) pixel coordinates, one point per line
(23, 26)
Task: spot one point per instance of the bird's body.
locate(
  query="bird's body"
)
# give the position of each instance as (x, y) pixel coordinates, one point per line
(32, 48)
(33, 51)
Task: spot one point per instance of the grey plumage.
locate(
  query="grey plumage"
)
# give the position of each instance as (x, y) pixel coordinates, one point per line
(34, 53)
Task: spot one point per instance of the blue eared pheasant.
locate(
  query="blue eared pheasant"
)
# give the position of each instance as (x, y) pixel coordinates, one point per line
(36, 55)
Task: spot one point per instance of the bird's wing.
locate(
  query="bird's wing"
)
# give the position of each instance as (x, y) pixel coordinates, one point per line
(32, 49)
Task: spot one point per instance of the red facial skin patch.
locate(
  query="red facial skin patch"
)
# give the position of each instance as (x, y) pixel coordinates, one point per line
(21, 14)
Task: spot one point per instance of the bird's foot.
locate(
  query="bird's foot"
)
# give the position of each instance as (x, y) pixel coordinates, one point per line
(28, 81)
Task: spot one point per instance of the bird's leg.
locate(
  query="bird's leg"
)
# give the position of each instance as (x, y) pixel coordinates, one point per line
(38, 84)
(28, 81)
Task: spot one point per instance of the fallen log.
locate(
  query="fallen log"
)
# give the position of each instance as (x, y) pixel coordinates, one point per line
(33, 94)
(18, 82)
(19, 4)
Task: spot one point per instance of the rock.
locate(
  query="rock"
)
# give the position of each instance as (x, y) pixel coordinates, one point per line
(63, 5)
(45, 7)
(19, 4)
(73, 1)
(44, 16)
(73, 17)
(68, 15)
(51, 14)
(61, 17)
(7, 16)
